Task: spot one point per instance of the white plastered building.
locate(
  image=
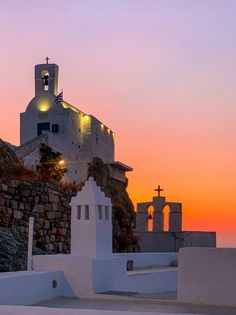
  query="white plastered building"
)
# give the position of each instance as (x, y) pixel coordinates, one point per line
(79, 137)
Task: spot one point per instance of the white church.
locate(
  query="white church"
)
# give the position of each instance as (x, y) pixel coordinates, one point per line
(79, 137)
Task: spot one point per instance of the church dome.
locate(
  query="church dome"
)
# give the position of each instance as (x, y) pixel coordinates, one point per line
(42, 103)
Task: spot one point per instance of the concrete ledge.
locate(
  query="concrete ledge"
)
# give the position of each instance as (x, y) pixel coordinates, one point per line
(13, 310)
(207, 275)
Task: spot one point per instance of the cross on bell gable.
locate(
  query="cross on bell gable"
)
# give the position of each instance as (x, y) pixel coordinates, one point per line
(159, 190)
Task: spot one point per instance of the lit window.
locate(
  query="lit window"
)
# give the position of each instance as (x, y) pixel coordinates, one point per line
(100, 212)
(106, 212)
(86, 212)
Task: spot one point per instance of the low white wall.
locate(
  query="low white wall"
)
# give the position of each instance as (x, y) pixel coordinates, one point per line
(29, 287)
(207, 275)
(152, 282)
(149, 259)
(107, 273)
(85, 276)
(77, 271)
(111, 275)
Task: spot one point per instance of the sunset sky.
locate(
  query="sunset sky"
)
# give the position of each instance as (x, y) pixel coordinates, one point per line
(160, 73)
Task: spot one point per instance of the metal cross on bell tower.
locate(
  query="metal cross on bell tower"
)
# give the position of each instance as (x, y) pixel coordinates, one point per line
(47, 60)
(159, 190)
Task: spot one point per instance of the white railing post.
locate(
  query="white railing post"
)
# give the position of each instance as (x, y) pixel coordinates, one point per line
(30, 243)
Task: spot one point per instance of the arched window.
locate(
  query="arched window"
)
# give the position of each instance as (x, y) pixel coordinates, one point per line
(45, 79)
(150, 218)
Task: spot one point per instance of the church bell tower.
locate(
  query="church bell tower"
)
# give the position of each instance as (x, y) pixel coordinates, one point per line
(40, 114)
(46, 78)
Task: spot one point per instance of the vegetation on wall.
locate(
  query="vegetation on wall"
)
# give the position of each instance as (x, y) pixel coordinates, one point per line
(51, 164)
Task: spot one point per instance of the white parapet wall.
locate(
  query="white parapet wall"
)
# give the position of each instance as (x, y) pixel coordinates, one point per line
(207, 276)
(31, 287)
(85, 275)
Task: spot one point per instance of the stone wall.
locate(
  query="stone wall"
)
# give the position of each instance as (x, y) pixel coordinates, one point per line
(48, 203)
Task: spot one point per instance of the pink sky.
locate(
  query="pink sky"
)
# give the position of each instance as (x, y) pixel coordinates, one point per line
(161, 74)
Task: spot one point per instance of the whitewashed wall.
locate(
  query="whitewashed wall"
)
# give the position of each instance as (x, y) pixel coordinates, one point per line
(207, 275)
(28, 288)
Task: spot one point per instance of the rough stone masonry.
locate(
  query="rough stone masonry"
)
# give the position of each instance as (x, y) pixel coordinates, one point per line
(48, 203)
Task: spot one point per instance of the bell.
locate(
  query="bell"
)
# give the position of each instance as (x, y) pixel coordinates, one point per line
(150, 217)
(45, 79)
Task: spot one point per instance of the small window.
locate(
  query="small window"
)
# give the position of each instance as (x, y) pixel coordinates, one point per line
(106, 212)
(78, 212)
(86, 212)
(100, 212)
(75, 172)
(96, 140)
(43, 127)
(55, 128)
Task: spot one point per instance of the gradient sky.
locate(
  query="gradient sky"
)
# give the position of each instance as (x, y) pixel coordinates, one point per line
(161, 74)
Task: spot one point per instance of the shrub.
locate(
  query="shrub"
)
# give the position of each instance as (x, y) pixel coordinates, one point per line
(51, 164)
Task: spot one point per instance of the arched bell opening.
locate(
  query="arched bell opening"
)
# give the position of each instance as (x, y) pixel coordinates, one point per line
(150, 211)
(45, 79)
(166, 216)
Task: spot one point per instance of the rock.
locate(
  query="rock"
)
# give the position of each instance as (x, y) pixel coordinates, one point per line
(13, 204)
(51, 215)
(4, 187)
(8, 160)
(13, 250)
(17, 214)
